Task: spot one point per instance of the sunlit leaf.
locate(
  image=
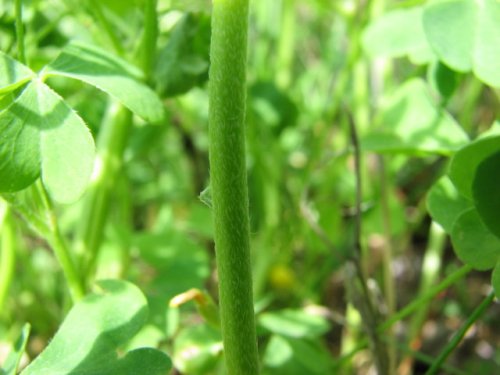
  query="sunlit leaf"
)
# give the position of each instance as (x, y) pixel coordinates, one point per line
(465, 35)
(11, 363)
(398, 33)
(110, 74)
(95, 328)
(410, 122)
(13, 74)
(41, 135)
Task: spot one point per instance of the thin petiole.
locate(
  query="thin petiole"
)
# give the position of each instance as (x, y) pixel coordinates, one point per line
(476, 314)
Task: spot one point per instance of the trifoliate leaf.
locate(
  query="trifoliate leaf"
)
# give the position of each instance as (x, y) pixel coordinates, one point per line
(40, 135)
(110, 74)
(465, 34)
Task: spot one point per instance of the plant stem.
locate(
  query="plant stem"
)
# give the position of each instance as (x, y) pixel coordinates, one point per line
(112, 141)
(227, 95)
(95, 9)
(460, 334)
(147, 48)
(60, 248)
(21, 56)
(364, 302)
(425, 297)
(411, 307)
(284, 62)
(48, 228)
(431, 267)
(7, 254)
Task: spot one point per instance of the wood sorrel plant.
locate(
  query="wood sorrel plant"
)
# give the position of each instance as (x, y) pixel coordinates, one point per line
(229, 183)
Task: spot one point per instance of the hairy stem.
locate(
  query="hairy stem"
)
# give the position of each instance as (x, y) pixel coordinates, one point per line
(227, 91)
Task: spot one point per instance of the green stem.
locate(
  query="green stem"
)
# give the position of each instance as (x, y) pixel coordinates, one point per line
(229, 183)
(20, 32)
(147, 48)
(424, 298)
(8, 253)
(286, 44)
(112, 141)
(60, 248)
(48, 228)
(476, 314)
(430, 270)
(95, 8)
(411, 307)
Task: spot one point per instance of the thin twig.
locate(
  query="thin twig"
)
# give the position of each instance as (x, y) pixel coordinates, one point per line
(370, 315)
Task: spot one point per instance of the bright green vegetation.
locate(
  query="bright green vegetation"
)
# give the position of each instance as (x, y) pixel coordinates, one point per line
(228, 183)
(249, 187)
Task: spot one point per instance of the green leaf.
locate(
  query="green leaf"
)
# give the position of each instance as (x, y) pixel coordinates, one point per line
(13, 74)
(95, 328)
(294, 323)
(12, 361)
(396, 34)
(41, 135)
(180, 262)
(466, 161)
(183, 62)
(110, 74)
(197, 349)
(410, 122)
(442, 79)
(486, 192)
(474, 244)
(464, 33)
(445, 204)
(288, 356)
(495, 279)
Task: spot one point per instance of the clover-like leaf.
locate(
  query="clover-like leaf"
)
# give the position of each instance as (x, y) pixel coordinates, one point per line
(88, 341)
(465, 34)
(486, 192)
(465, 162)
(41, 135)
(410, 122)
(398, 33)
(13, 74)
(445, 204)
(110, 74)
(474, 244)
